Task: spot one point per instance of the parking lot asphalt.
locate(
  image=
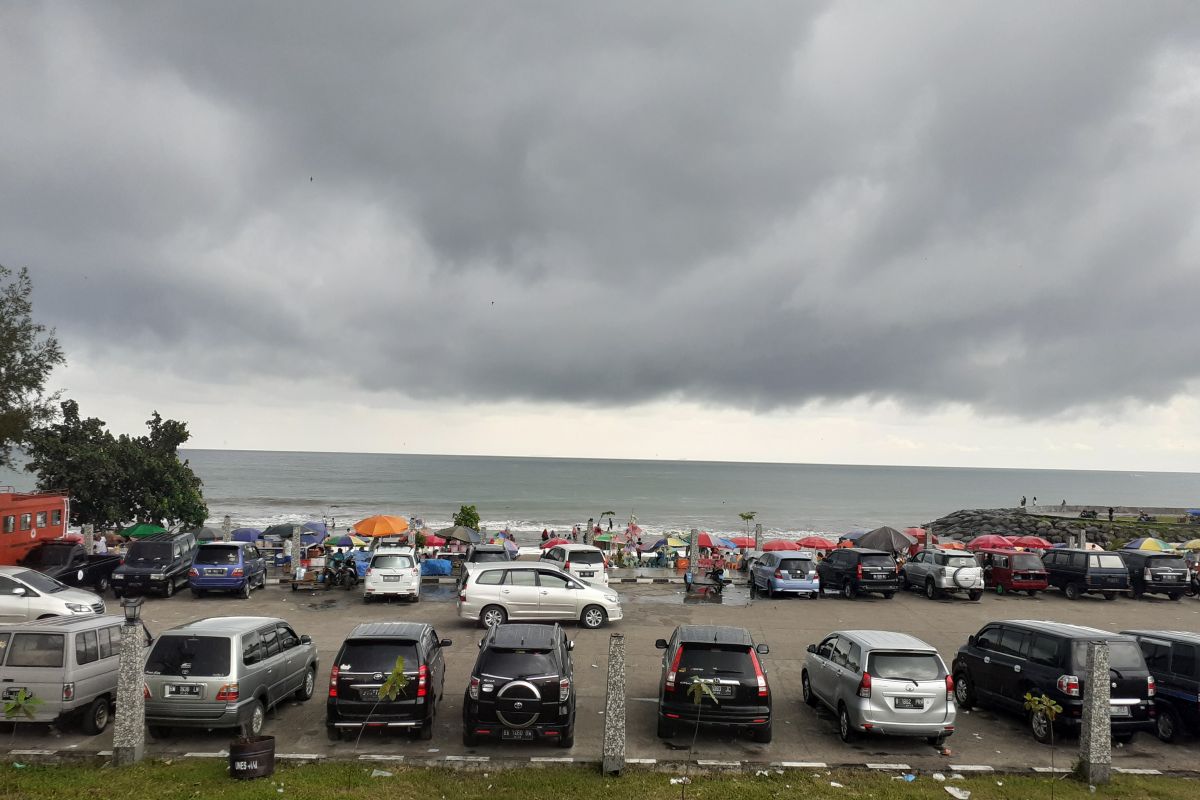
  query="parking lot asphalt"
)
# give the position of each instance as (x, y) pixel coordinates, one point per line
(788, 625)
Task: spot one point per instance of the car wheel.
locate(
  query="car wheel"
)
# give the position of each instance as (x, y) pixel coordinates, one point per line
(306, 689)
(930, 590)
(117, 593)
(888, 595)
(770, 589)
(1071, 590)
(366, 598)
(1041, 726)
(469, 739)
(102, 585)
(334, 734)
(761, 734)
(245, 592)
(964, 690)
(159, 731)
(170, 590)
(845, 729)
(806, 691)
(95, 719)
(904, 585)
(1166, 725)
(492, 616)
(975, 594)
(1175, 595)
(1110, 595)
(254, 722)
(592, 617)
(848, 589)
(1136, 594)
(666, 728)
(425, 732)
(568, 738)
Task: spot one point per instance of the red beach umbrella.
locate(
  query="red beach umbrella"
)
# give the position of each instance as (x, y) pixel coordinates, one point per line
(433, 540)
(816, 543)
(742, 541)
(554, 543)
(1032, 542)
(989, 540)
(781, 544)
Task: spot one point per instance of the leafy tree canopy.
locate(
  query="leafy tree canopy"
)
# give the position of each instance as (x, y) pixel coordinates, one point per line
(28, 353)
(467, 516)
(117, 480)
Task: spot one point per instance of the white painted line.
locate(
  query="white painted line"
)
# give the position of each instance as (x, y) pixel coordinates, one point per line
(553, 759)
(32, 752)
(300, 756)
(371, 757)
(468, 758)
(205, 755)
(971, 768)
(888, 766)
(1051, 769)
(1133, 771)
(801, 764)
(710, 763)
(641, 761)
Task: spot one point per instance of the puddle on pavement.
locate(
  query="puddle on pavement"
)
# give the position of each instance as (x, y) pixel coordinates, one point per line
(732, 596)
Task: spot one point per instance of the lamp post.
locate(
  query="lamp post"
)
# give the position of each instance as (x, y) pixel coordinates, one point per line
(129, 734)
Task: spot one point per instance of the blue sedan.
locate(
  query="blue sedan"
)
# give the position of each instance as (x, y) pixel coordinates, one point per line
(786, 571)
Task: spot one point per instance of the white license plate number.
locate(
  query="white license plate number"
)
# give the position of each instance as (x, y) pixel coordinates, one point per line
(1118, 711)
(910, 702)
(513, 733)
(183, 690)
(587, 574)
(217, 571)
(391, 578)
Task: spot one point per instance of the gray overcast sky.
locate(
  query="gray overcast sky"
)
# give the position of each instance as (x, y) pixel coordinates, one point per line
(946, 233)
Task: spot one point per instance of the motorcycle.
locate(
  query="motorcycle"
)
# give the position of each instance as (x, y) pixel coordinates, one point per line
(344, 574)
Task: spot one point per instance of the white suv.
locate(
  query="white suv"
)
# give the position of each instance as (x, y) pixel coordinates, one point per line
(581, 560)
(497, 591)
(938, 572)
(393, 571)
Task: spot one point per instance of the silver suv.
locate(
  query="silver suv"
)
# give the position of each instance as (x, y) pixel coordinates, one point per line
(937, 572)
(225, 672)
(880, 682)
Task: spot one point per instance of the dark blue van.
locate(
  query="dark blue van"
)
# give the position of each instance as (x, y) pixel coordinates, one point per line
(235, 567)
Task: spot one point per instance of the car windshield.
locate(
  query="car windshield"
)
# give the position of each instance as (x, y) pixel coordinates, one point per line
(148, 553)
(795, 565)
(585, 557)
(879, 560)
(392, 562)
(378, 655)
(905, 666)
(954, 562)
(48, 556)
(1167, 562)
(217, 554)
(709, 659)
(190, 656)
(40, 582)
(1122, 655)
(1106, 561)
(517, 663)
(1026, 561)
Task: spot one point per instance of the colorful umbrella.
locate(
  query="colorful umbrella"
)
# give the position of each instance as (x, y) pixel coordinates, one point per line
(433, 540)
(319, 528)
(989, 540)
(142, 529)
(380, 525)
(952, 545)
(345, 541)
(816, 543)
(669, 541)
(707, 540)
(509, 544)
(1148, 543)
(554, 543)
(246, 535)
(605, 537)
(742, 541)
(781, 544)
(1194, 544)
(1033, 542)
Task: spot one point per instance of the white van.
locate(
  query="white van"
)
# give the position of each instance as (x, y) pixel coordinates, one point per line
(581, 560)
(393, 571)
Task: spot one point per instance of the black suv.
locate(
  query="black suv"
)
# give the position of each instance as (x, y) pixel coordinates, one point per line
(481, 553)
(854, 570)
(156, 563)
(1006, 659)
(1156, 573)
(366, 659)
(726, 659)
(1174, 660)
(521, 687)
(1079, 572)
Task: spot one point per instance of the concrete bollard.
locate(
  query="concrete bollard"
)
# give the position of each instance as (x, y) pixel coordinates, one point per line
(226, 528)
(89, 538)
(1095, 735)
(129, 733)
(613, 756)
(758, 536)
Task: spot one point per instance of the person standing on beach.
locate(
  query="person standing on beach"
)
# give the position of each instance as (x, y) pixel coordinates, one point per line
(1022, 501)
(1035, 501)
(545, 535)
(610, 523)
(1110, 514)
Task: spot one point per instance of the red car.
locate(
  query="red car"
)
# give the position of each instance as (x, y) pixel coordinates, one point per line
(1009, 570)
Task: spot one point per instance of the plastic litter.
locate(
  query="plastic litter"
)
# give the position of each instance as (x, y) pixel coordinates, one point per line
(18, 765)
(836, 785)
(909, 777)
(685, 780)
(380, 773)
(939, 777)
(957, 793)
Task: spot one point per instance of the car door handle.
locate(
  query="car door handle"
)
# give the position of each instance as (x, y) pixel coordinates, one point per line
(505, 591)
(545, 591)
(987, 659)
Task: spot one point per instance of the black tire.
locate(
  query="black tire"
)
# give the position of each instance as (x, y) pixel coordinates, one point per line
(305, 692)
(666, 728)
(95, 718)
(425, 732)
(568, 738)
(848, 590)
(770, 590)
(1032, 592)
(101, 585)
(1136, 594)
(1166, 724)
(845, 730)
(1041, 727)
(806, 691)
(1176, 595)
(469, 739)
(255, 720)
(904, 584)
(244, 593)
(1110, 595)
(366, 598)
(117, 593)
(888, 595)
(293, 585)
(1071, 590)
(762, 734)
(930, 589)
(592, 617)
(492, 615)
(197, 593)
(169, 590)
(975, 594)
(159, 731)
(333, 733)
(964, 690)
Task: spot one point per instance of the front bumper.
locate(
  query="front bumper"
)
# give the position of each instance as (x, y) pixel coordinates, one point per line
(139, 584)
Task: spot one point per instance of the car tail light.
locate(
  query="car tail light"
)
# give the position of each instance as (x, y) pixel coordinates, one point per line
(564, 690)
(670, 687)
(858, 571)
(473, 689)
(228, 693)
(370, 572)
(462, 597)
(239, 573)
(422, 680)
(949, 687)
(758, 674)
(567, 566)
(778, 573)
(193, 573)
(1151, 686)
(1069, 685)
(69, 691)
(864, 686)
(145, 691)
(1147, 575)
(333, 679)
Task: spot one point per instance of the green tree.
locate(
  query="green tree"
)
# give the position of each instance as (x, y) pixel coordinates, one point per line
(115, 480)
(28, 353)
(468, 517)
(747, 518)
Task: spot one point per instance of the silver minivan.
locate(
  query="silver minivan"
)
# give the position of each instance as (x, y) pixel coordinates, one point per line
(69, 664)
(226, 672)
(881, 682)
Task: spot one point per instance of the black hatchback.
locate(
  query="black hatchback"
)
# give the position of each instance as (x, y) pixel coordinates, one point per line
(855, 570)
(363, 664)
(1156, 573)
(522, 687)
(727, 660)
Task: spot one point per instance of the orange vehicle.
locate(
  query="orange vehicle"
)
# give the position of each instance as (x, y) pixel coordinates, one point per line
(27, 519)
(1009, 570)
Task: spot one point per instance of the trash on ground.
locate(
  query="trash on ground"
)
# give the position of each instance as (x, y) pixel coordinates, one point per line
(836, 785)
(937, 776)
(685, 780)
(957, 793)
(380, 773)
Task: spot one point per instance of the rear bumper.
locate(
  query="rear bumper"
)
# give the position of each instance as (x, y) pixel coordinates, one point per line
(1023, 585)
(801, 586)
(381, 589)
(876, 586)
(217, 584)
(168, 714)
(716, 716)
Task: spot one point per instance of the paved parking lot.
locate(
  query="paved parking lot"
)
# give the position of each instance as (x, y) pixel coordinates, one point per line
(651, 612)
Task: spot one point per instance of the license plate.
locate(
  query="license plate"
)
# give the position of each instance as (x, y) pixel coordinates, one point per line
(878, 576)
(368, 694)
(1118, 711)
(516, 733)
(183, 690)
(910, 702)
(391, 578)
(587, 574)
(12, 691)
(217, 571)
(722, 691)
(1170, 577)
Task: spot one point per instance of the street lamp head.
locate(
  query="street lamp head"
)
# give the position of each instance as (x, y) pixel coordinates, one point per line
(132, 606)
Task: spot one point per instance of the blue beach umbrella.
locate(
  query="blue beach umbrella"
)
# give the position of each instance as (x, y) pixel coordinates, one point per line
(318, 528)
(246, 535)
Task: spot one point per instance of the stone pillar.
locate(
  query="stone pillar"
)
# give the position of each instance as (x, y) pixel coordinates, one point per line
(758, 536)
(226, 528)
(89, 538)
(693, 551)
(129, 733)
(929, 537)
(1095, 741)
(613, 755)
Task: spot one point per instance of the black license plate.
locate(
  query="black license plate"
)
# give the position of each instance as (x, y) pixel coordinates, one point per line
(217, 571)
(587, 574)
(516, 733)
(183, 690)
(910, 702)
(12, 691)
(368, 694)
(391, 578)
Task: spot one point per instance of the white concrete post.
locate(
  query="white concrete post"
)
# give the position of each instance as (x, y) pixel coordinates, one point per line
(758, 536)
(226, 528)
(1095, 739)
(613, 755)
(129, 733)
(89, 538)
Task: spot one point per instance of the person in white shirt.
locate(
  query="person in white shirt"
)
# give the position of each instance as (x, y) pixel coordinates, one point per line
(100, 545)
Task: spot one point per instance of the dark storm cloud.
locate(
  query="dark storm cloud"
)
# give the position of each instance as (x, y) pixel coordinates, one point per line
(755, 205)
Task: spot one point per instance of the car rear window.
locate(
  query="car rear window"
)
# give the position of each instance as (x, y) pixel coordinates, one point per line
(219, 554)
(193, 656)
(586, 557)
(395, 561)
(715, 659)
(377, 655)
(1106, 561)
(148, 553)
(1026, 561)
(954, 562)
(36, 650)
(879, 560)
(1122, 655)
(905, 666)
(503, 663)
(1167, 562)
(795, 565)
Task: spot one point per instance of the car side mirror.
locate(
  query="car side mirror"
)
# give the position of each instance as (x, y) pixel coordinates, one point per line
(445, 643)
(480, 645)
(305, 639)
(762, 649)
(571, 645)
(661, 644)
(812, 648)
(971, 640)
(19, 591)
